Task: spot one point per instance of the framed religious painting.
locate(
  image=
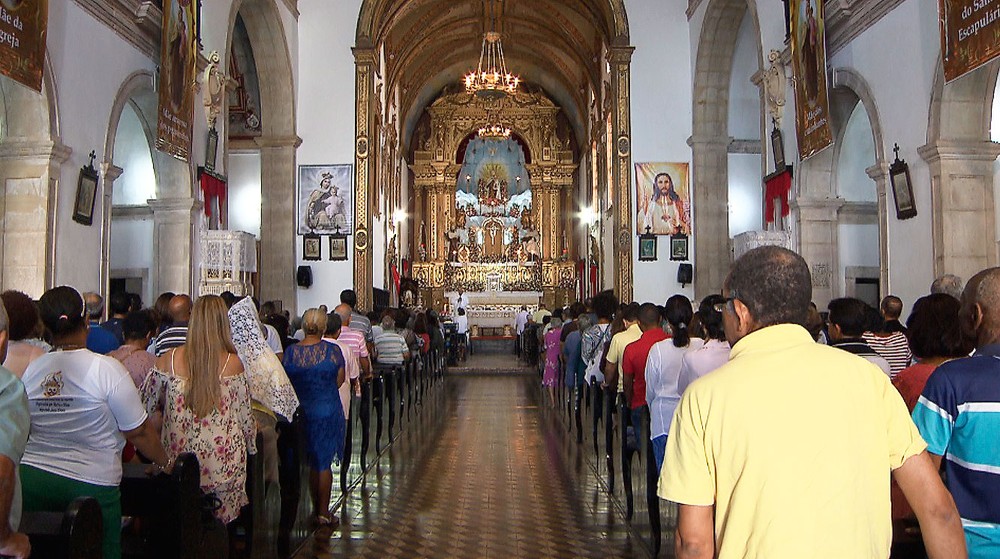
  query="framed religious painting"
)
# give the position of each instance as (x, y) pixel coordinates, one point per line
(86, 192)
(678, 247)
(338, 247)
(663, 198)
(902, 188)
(312, 247)
(647, 247)
(325, 199)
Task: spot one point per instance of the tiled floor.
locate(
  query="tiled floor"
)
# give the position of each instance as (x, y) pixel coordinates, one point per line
(488, 476)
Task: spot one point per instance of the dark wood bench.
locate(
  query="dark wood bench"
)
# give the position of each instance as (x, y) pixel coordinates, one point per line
(76, 533)
(168, 513)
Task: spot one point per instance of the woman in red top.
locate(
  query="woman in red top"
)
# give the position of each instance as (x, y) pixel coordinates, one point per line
(420, 329)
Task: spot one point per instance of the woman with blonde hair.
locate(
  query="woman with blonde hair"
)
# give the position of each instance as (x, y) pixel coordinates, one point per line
(316, 369)
(204, 396)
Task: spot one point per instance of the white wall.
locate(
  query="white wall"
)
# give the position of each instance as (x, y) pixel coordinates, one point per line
(132, 249)
(325, 114)
(857, 153)
(661, 120)
(858, 247)
(137, 182)
(745, 173)
(898, 57)
(90, 62)
(244, 192)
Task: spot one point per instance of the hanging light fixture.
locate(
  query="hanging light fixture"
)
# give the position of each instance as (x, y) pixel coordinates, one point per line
(494, 129)
(491, 80)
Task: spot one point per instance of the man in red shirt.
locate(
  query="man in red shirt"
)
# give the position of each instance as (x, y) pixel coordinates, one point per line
(634, 365)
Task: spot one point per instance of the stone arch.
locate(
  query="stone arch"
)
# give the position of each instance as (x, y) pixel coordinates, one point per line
(31, 159)
(960, 157)
(710, 139)
(277, 144)
(821, 209)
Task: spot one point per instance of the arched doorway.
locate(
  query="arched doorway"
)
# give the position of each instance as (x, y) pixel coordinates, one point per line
(266, 157)
(578, 53)
(726, 23)
(31, 156)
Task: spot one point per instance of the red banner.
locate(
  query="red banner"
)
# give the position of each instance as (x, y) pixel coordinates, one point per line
(178, 60)
(812, 103)
(23, 25)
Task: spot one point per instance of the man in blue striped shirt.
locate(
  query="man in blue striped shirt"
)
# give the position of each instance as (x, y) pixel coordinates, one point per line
(958, 414)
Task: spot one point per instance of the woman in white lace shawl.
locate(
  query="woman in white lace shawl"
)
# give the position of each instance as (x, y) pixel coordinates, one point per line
(270, 389)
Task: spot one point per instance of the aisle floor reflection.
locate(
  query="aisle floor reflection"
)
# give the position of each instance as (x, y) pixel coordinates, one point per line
(490, 476)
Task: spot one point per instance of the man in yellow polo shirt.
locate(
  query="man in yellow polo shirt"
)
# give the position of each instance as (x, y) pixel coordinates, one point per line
(786, 451)
(621, 340)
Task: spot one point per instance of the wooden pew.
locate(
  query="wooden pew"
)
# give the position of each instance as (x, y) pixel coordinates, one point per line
(172, 521)
(76, 533)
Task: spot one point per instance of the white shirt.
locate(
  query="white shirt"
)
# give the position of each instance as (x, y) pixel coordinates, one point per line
(351, 371)
(461, 302)
(463, 323)
(697, 363)
(520, 321)
(80, 402)
(273, 340)
(663, 372)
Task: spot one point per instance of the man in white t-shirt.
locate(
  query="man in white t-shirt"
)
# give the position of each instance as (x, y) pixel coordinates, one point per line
(462, 322)
(462, 301)
(520, 321)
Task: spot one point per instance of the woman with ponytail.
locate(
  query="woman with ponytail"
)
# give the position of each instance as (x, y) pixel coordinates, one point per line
(83, 407)
(204, 396)
(663, 371)
(715, 352)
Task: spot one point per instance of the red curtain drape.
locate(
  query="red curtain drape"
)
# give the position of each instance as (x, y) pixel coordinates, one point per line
(212, 187)
(777, 188)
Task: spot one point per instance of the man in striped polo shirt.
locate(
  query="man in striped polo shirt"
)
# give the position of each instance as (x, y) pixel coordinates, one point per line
(390, 347)
(176, 335)
(958, 414)
(356, 341)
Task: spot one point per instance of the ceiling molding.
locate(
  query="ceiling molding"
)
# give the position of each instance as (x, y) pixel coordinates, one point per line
(848, 19)
(138, 22)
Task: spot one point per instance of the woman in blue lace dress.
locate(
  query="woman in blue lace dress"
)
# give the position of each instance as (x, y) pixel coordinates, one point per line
(316, 369)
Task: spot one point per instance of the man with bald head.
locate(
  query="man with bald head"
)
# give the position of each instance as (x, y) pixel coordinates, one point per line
(958, 414)
(99, 339)
(175, 335)
(355, 339)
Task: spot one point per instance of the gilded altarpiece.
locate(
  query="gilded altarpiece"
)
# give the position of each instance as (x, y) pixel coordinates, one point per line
(491, 214)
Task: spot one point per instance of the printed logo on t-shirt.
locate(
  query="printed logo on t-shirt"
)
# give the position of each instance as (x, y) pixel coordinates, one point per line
(52, 385)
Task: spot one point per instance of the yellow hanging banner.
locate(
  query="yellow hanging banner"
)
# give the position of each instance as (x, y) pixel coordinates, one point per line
(970, 35)
(178, 60)
(812, 102)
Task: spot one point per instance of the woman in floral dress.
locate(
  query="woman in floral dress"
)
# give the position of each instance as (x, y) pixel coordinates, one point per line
(552, 351)
(204, 396)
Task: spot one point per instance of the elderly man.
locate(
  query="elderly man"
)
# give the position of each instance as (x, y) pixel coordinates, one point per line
(948, 283)
(354, 339)
(785, 451)
(175, 335)
(99, 340)
(14, 423)
(390, 346)
(958, 415)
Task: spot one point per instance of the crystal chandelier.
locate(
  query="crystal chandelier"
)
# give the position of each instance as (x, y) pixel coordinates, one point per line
(491, 80)
(494, 131)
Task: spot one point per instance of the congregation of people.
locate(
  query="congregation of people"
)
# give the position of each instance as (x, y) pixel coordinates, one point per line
(213, 376)
(775, 425)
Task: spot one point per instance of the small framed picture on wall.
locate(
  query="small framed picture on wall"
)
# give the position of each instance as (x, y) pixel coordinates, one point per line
(678, 247)
(311, 247)
(647, 246)
(338, 247)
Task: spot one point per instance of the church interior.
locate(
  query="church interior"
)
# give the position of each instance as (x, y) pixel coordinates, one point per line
(485, 157)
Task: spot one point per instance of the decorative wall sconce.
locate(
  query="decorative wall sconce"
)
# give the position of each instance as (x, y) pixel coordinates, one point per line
(86, 190)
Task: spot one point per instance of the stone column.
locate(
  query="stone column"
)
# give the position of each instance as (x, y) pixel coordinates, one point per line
(365, 63)
(173, 240)
(278, 248)
(109, 172)
(710, 159)
(818, 243)
(29, 175)
(880, 174)
(620, 58)
(964, 221)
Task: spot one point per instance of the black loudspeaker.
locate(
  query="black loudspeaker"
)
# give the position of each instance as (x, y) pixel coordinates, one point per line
(685, 273)
(304, 276)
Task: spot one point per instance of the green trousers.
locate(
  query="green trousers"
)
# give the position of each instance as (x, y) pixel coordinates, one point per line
(44, 491)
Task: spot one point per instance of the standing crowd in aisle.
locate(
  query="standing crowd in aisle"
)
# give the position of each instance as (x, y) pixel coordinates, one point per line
(80, 397)
(775, 426)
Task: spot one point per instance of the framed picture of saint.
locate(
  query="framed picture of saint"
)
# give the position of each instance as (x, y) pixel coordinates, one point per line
(325, 199)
